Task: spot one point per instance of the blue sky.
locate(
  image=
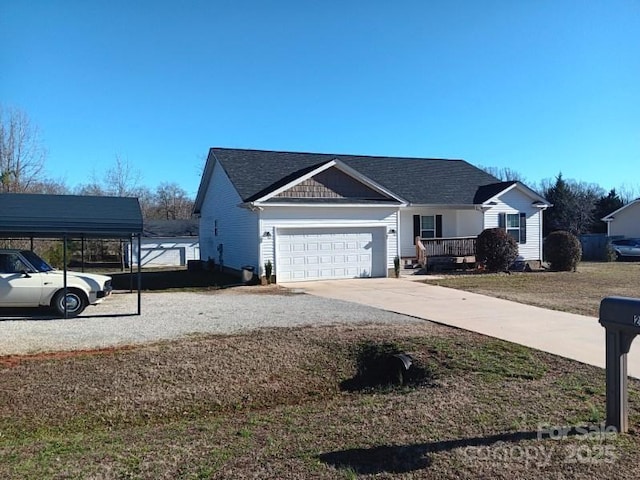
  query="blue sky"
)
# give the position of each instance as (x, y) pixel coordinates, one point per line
(537, 86)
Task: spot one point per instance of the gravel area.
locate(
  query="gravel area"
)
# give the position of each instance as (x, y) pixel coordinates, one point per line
(170, 315)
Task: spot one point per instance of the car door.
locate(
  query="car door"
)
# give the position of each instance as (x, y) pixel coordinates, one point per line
(623, 247)
(17, 287)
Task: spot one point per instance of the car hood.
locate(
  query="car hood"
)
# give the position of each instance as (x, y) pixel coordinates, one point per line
(99, 279)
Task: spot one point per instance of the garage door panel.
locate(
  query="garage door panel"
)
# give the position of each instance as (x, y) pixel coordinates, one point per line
(317, 253)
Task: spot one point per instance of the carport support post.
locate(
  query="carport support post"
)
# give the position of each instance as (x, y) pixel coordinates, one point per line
(618, 343)
(139, 272)
(64, 273)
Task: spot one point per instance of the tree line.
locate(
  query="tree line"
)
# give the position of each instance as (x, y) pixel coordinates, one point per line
(22, 170)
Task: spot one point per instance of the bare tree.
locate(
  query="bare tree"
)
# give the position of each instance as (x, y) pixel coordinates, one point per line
(51, 187)
(504, 174)
(171, 202)
(628, 193)
(94, 188)
(122, 180)
(22, 156)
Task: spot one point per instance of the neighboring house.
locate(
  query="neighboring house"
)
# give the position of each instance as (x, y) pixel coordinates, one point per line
(624, 222)
(317, 216)
(167, 243)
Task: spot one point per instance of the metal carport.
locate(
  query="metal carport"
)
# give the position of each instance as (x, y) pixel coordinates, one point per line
(24, 215)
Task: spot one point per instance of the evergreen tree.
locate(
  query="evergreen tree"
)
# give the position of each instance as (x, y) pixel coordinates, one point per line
(573, 206)
(604, 206)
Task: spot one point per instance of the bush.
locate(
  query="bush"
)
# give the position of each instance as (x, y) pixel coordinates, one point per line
(563, 251)
(609, 254)
(496, 249)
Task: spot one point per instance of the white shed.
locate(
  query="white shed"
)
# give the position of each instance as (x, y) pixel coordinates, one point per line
(167, 243)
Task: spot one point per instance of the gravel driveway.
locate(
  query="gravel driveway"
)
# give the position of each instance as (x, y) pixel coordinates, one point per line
(172, 315)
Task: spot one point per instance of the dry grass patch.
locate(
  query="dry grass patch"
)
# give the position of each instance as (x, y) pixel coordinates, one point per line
(268, 405)
(577, 292)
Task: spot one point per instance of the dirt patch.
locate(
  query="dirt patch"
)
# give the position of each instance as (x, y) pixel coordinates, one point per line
(15, 360)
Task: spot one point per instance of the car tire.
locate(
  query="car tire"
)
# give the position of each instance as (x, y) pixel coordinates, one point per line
(619, 257)
(76, 302)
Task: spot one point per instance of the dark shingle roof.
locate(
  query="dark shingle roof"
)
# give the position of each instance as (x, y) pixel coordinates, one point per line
(485, 192)
(254, 173)
(171, 228)
(33, 215)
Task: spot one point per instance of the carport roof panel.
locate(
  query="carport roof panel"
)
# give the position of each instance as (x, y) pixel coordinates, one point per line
(35, 215)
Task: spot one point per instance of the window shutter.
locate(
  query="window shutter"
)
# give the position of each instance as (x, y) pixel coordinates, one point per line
(438, 226)
(416, 227)
(523, 227)
(502, 220)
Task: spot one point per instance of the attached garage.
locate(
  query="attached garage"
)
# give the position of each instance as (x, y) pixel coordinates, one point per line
(330, 253)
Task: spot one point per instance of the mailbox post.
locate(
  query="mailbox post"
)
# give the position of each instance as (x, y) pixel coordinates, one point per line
(620, 316)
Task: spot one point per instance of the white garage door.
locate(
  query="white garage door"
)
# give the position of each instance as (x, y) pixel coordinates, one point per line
(156, 257)
(322, 254)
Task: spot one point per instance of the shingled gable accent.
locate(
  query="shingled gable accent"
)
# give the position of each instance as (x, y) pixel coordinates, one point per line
(332, 181)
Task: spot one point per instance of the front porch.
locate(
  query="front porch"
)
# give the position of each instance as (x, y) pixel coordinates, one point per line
(443, 253)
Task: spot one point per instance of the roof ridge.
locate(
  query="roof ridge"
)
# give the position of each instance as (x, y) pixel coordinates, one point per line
(356, 155)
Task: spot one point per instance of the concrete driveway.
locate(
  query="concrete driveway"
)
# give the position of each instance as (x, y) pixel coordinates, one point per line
(573, 336)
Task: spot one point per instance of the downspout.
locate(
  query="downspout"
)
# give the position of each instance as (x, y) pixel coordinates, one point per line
(260, 256)
(398, 235)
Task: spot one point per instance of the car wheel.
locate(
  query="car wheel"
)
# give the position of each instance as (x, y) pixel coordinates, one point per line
(76, 302)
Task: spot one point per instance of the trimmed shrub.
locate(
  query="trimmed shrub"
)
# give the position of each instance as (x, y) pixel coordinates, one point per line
(496, 249)
(563, 251)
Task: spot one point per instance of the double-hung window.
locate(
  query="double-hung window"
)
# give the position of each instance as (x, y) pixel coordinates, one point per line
(516, 225)
(427, 226)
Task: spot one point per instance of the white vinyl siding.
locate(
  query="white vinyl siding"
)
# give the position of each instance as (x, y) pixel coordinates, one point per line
(514, 202)
(237, 227)
(156, 252)
(626, 222)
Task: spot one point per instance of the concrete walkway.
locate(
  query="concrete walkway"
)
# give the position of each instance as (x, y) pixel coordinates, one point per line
(569, 335)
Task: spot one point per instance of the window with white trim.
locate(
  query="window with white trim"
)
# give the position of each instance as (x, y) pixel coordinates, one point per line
(515, 225)
(428, 226)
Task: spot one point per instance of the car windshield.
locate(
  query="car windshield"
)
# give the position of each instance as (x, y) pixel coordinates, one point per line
(36, 261)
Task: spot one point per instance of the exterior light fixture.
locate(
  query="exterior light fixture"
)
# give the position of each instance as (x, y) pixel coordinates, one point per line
(266, 234)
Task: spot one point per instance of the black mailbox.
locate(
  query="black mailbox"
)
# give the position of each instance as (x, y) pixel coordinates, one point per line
(621, 312)
(620, 316)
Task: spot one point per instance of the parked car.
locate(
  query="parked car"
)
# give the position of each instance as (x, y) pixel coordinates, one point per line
(626, 248)
(26, 280)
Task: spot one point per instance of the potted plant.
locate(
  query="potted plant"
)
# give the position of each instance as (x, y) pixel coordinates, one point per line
(268, 270)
